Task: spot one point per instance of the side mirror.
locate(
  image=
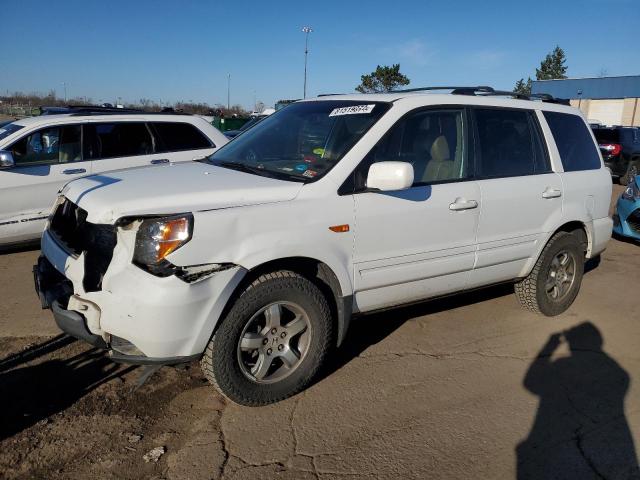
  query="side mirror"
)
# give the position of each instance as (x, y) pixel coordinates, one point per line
(6, 159)
(390, 176)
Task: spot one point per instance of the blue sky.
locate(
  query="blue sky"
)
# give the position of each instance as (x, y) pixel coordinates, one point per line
(184, 49)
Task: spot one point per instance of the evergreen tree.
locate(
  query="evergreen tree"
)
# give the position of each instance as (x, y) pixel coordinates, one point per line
(383, 79)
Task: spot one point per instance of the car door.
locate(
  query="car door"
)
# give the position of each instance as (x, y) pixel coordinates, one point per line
(420, 242)
(45, 160)
(521, 194)
(181, 141)
(117, 144)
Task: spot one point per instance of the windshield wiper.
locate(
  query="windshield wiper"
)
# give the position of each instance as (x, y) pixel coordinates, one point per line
(241, 167)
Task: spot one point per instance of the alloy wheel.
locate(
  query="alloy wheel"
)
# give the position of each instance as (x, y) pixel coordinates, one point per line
(274, 342)
(561, 276)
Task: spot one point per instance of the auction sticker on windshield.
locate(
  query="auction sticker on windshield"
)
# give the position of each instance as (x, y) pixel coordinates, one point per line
(352, 110)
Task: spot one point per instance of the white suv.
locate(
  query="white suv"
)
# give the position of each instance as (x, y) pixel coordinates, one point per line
(255, 259)
(39, 155)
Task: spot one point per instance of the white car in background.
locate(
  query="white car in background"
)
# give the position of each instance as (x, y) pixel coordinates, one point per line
(39, 155)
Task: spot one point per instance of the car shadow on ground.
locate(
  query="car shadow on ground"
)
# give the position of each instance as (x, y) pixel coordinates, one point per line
(29, 246)
(31, 393)
(623, 239)
(370, 329)
(580, 430)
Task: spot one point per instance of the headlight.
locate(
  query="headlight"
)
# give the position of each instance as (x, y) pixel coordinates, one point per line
(158, 237)
(632, 192)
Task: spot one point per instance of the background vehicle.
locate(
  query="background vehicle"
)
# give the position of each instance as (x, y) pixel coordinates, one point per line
(626, 220)
(620, 148)
(249, 124)
(38, 155)
(255, 259)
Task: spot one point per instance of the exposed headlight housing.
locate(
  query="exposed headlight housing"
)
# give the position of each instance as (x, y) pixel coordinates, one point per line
(58, 201)
(632, 192)
(157, 237)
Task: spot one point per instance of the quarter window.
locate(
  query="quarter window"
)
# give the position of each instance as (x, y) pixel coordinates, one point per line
(122, 139)
(176, 137)
(575, 145)
(508, 144)
(48, 146)
(433, 141)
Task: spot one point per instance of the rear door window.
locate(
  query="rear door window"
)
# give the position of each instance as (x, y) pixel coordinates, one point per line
(116, 139)
(574, 143)
(48, 146)
(508, 143)
(176, 137)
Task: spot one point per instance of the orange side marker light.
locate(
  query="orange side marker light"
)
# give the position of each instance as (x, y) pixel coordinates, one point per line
(340, 228)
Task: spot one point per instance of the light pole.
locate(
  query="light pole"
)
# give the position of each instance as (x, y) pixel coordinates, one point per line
(228, 91)
(307, 31)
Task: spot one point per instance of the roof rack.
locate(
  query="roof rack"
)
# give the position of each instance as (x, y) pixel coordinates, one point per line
(484, 90)
(88, 110)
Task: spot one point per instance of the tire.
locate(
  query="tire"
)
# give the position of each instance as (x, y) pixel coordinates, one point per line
(632, 170)
(227, 361)
(533, 292)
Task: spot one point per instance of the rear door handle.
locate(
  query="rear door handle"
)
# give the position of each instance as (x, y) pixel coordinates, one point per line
(159, 161)
(462, 204)
(551, 192)
(73, 171)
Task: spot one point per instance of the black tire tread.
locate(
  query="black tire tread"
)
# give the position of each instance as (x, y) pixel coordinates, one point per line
(526, 290)
(268, 281)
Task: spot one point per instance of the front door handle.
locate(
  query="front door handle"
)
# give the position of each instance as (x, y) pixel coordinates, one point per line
(158, 161)
(551, 192)
(462, 204)
(74, 171)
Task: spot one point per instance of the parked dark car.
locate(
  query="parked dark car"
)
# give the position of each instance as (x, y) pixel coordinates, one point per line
(620, 147)
(245, 127)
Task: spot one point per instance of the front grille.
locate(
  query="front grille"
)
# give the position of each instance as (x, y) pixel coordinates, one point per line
(633, 221)
(71, 230)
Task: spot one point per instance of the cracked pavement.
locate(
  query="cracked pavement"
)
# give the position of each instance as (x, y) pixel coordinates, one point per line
(465, 387)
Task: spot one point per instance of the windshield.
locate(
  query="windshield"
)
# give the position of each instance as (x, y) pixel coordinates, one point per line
(8, 129)
(301, 142)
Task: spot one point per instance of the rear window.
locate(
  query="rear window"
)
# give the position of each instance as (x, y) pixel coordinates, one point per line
(175, 137)
(607, 135)
(574, 143)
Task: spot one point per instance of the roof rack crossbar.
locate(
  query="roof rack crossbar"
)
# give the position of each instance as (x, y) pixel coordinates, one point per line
(480, 88)
(484, 90)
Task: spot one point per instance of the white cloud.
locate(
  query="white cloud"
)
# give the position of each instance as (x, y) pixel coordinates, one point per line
(487, 58)
(414, 52)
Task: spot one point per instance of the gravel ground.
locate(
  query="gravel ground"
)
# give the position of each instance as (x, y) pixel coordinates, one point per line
(466, 387)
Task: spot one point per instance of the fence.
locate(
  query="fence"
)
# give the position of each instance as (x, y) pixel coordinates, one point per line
(18, 110)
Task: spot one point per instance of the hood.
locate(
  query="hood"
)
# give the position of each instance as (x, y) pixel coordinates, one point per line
(174, 188)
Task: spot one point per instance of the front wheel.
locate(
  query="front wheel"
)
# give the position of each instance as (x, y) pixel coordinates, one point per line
(272, 342)
(555, 280)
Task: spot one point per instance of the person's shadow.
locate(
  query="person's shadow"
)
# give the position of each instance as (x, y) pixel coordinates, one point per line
(580, 430)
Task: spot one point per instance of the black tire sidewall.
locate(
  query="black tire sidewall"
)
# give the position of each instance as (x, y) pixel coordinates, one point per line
(227, 371)
(568, 242)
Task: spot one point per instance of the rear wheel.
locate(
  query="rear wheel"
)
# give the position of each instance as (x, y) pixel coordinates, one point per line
(272, 342)
(555, 280)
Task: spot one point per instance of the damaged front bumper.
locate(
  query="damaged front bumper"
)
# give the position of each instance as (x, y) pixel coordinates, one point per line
(138, 317)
